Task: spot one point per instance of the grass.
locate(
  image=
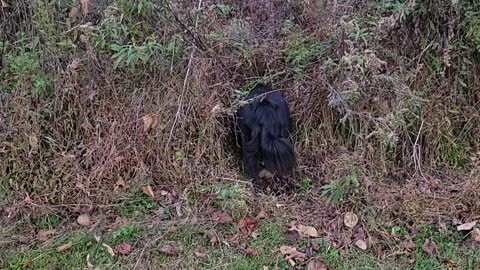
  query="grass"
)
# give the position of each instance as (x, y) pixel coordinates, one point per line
(191, 240)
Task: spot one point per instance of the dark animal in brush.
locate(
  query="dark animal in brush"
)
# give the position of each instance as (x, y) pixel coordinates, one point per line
(265, 127)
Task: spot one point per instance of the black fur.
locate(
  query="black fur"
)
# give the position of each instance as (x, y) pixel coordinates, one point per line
(265, 128)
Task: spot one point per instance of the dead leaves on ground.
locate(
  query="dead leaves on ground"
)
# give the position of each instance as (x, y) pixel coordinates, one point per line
(123, 248)
(147, 190)
(248, 225)
(44, 235)
(84, 220)
(150, 121)
(292, 255)
(430, 247)
(317, 264)
(221, 217)
(467, 226)
(169, 249)
(350, 219)
(64, 247)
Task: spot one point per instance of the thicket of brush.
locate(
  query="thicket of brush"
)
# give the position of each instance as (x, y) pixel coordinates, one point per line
(396, 83)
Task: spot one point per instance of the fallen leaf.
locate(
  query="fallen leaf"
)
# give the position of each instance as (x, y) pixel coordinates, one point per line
(123, 248)
(221, 217)
(261, 215)
(164, 192)
(213, 240)
(148, 191)
(350, 219)
(33, 140)
(97, 238)
(255, 234)
(74, 64)
(476, 234)
(4, 4)
(292, 235)
(306, 231)
(168, 249)
(44, 235)
(89, 264)
(26, 264)
(85, 7)
(72, 15)
(109, 249)
(317, 264)
(84, 220)
(430, 247)
(248, 225)
(361, 244)
(120, 183)
(265, 174)
(409, 245)
(467, 226)
(291, 254)
(233, 240)
(64, 247)
(250, 252)
(451, 263)
(200, 254)
(150, 121)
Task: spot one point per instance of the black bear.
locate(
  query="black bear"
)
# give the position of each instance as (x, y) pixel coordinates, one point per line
(265, 127)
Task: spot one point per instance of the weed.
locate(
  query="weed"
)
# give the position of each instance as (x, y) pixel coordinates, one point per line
(126, 234)
(140, 202)
(49, 221)
(338, 189)
(231, 198)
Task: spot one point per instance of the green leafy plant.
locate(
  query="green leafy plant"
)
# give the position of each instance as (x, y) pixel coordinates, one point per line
(338, 189)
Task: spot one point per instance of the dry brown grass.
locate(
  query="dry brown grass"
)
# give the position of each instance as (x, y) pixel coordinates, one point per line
(90, 132)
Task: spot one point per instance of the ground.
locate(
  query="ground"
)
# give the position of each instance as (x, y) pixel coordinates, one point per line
(118, 150)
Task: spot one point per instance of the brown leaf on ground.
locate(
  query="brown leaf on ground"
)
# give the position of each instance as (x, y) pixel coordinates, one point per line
(97, 238)
(26, 264)
(261, 215)
(430, 247)
(85, 7)
(89, 264)
(317, 264)
(109, 249)
(409, 245)
(476, 234)
(148, 191)
(84, 220)
(292, 235)
(168, 249)
(250, 252)
(150, 121)
(221, 217)
(361, 244)
(248, 225)
(64, 247)
(451, 263)
(200, 255)
(255, 234)
(306, 231)
(467, 226)
(123, 248)
(44, 235)
(292, 254)
(350, 219)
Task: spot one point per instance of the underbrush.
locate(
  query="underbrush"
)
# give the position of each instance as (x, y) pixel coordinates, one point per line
(99, 102)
